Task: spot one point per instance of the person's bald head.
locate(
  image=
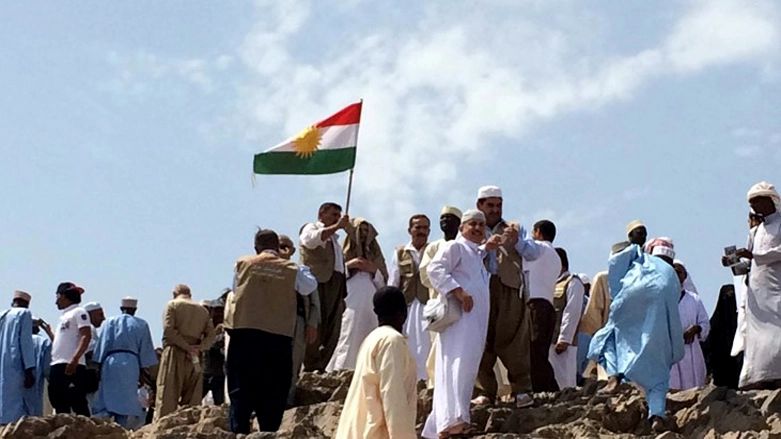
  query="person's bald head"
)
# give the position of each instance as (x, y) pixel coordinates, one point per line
(390, 307)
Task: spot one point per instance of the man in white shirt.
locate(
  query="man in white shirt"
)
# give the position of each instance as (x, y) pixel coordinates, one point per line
(543, 274)
(568, 303)
(321, 252)
(72, 337)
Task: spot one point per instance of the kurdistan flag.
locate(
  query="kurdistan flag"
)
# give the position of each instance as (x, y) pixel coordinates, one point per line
(323, 148)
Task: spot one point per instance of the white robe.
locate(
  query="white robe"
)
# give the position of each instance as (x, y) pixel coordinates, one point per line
(358, 319)
(565, 364)
(418, 339)
(458, 263)
(762, 357)
(691, 372)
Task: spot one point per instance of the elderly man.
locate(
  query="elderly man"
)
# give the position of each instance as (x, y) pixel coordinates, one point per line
(762, 320)
(261, 320)
(307, 321)
(382, 400)
(405, 273)
(125, 347)
(67, 376)
(508, 337)
(321, 252)
(17, 364)
(187, 331)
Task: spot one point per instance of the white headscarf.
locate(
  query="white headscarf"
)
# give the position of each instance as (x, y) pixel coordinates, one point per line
(765, 189)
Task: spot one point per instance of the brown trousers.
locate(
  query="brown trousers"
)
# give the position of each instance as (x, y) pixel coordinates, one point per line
(543, 324)
(508, 339)
(332, 294)
(179, 382)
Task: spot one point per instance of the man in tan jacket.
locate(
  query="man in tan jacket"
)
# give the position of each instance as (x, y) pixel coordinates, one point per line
(260, 319)
(187, 331)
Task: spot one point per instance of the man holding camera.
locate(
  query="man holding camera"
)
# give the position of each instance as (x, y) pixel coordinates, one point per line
(762, 357)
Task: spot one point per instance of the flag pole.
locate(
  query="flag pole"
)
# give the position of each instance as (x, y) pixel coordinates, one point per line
(350, 181)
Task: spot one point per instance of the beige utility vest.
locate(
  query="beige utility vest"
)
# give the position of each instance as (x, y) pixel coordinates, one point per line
(510, 264)
(559, 303)
(320, 260)
(409, 273)
(264, 296)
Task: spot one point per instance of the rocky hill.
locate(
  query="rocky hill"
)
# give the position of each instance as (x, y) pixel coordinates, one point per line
(710, 412)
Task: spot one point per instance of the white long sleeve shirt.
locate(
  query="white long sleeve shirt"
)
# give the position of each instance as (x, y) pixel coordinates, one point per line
(312, 237)
(543, 272)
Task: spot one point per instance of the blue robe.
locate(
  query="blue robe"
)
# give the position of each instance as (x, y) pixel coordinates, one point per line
(125, 346)
(33, 397)
(643, 337)
(16, 355)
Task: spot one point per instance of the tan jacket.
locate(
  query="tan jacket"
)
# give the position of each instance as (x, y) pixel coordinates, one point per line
(510, 262)
(598, 306)
(187, 323)
(264, 295)
(409, 277)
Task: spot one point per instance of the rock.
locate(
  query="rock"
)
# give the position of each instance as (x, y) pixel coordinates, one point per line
(772, 405)
(682, 400)
(669, 435)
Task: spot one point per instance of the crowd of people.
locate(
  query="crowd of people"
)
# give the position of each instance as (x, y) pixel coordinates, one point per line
(488, 312)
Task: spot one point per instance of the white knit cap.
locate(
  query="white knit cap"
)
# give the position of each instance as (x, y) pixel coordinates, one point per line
(450, 210)
(661, 250)
(472, 214)
(489, 192)
(129, 302)
(92, 306)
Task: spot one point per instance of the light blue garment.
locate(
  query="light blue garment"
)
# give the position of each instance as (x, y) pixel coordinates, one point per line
(16, 355)
(643, 337)
(33, 397)
(124, 348)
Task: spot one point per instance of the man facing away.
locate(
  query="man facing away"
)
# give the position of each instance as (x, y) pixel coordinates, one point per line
(307, 321)
(568, 304)
(125, 347)
(18, 362)
(42, 351)
(508, 337)
(762, 320)
(214, 357)
(405, 274)
(321, 252)
(260, 320)
(67, 391)
(382, 400)
(187, 331)
(543, 273)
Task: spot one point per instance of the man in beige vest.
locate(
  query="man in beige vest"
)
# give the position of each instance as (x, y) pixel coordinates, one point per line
(187, 331)
(404, 273)
(509, 334)
(568, 304)
(261, 320)
(321, 252)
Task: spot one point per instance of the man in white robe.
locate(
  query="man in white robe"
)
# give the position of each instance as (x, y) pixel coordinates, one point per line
(382, 400)
(691, 371)
(404, 273)
(458, 271)
(762, 355)
(568, 303)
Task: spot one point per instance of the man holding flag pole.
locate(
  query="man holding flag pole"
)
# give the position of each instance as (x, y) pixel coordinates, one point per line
(327, 147)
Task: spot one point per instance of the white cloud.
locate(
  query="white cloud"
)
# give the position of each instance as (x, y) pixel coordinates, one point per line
(445, 83)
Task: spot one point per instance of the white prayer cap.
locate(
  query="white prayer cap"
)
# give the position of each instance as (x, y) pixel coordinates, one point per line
(472, 214)
(489, 192)
(765, 189)
(633, 225)
(22, 295)
(450, 210)
(129, 302)
(662, 250)
(92, 306)
(585, 278)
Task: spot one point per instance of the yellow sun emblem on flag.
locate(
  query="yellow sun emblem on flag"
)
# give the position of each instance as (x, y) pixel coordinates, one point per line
(306, 142)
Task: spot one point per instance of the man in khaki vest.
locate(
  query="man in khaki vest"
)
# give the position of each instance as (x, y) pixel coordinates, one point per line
(261, 320)
(404, 273)
(187, 331)
(321, 252)
(509, 334)
(568, 304)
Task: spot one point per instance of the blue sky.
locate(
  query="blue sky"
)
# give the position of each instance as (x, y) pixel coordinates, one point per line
(128, 128)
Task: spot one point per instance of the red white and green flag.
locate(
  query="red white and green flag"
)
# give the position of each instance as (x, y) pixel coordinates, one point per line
(323, 148)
